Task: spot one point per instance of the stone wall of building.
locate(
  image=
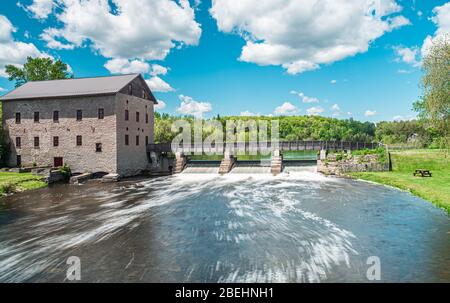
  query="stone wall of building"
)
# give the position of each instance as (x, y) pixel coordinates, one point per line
(92, 129)
(132, 159)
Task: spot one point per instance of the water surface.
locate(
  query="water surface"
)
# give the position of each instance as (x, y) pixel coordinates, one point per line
(296, 227)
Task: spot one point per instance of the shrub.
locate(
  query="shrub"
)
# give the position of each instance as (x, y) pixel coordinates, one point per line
(65, 170)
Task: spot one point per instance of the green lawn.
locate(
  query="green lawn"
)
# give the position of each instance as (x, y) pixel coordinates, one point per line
(15, 182)
(435, 189)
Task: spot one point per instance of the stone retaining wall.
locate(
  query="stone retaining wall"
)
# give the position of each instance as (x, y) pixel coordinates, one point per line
(332, 165)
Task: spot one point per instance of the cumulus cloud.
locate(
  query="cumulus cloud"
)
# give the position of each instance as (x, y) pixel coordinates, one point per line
(133, 29)
(333, 81)
(12, 51)
(161, 105)
(414, 55)
(191, 107)
(286, 109)
(441, 19)
(403, 118)
(158, 70)
(125, 66)
(407, 55)
(336, 110)
(314, 111)
(370, 113)
(156, 84)
(304, 98)
(300, 35)
(39, 9)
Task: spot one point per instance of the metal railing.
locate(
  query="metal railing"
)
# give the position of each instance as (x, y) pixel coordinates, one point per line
(261, 146)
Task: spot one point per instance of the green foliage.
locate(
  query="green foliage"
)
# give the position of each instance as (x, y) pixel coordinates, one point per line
(4, 148)
(13, 182)
(65, 170)
(404, 132)
(434, 105)
(38, 69)
(291, 128)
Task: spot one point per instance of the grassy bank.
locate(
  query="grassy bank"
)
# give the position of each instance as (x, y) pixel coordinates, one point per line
(16, 182)
(435, 189)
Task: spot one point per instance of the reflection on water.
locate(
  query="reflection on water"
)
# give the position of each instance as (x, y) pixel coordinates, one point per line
(297, 227)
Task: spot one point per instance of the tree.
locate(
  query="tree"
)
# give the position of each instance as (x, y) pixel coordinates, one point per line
(434, 105)
(38, 69)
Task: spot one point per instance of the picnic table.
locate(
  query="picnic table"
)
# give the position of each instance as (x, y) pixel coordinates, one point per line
(422, 173)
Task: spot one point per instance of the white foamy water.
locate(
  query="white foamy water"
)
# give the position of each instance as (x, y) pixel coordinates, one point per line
(260, 214)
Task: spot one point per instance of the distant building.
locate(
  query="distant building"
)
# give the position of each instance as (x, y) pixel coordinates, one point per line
(98, 124)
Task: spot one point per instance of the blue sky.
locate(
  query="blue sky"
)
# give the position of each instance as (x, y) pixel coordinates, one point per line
(263, 57)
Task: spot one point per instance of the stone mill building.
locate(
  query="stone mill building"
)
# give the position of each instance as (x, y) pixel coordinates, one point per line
(100, 124)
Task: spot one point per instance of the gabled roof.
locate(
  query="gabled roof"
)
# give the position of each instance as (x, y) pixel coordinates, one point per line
(72, 87)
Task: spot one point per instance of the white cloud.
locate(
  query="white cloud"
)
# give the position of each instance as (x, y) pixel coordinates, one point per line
(161, 105)
(403, 118)
(2, 89)
(441, 19)
(125, 66)
(415, 54)
(370, 113)
(156, 84)
(133, 29)
(407, 55)
(248, 114)
(158, 70)
(286, 109)
(335, 107)
(191, 107)
(333, 81)
(12, 51)
(39, 9)
(314, 111)
(304, 98)
(300, 35)
(350, 113)
(336, 110)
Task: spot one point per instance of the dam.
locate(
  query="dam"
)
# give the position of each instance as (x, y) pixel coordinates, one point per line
(233, 158)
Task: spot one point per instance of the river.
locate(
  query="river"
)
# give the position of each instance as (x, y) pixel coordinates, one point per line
(296, 227)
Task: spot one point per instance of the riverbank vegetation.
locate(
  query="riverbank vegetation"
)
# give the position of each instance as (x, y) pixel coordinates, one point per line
(435, 189)
(18, 182)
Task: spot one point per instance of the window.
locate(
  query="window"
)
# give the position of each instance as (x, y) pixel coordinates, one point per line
(126, 115)
(79, 140)
(18, 118)
(144, 94)
(36, 117)
(18, 142)
(56, 141)
(19, 160)
(79, 115)
(101, 113)
(36, 142)
(146, 118)
(98, 147)
(127, 140)
(55, 116)
(137, 116)
(146, 140)
(130, 89)
(137, 140)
